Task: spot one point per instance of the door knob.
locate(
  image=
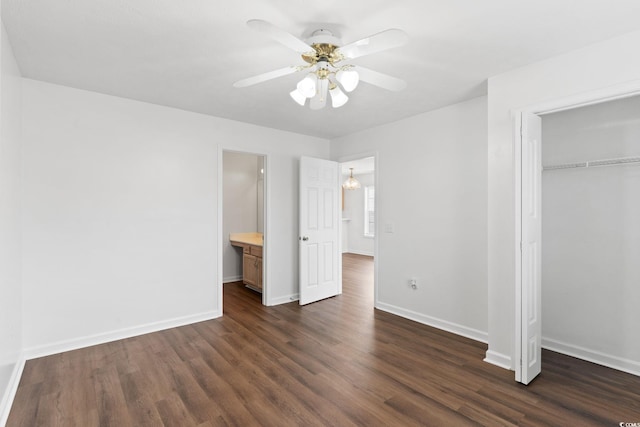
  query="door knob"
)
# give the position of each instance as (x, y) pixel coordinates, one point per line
(304, 238)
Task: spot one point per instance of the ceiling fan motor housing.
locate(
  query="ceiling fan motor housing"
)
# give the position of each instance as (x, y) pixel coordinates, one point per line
(325, 46)
(323, 37)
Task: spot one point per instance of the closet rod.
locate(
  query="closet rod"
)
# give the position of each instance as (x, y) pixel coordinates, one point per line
(594, 163)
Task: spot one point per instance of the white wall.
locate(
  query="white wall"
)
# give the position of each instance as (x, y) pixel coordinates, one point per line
(591, 234)
(355, 240)
(240, 193)
(10, 226)
(439, 220)
(260, 172)
(589, 69)
(121, 216)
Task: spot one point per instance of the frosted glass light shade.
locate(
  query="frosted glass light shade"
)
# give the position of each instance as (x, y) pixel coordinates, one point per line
(338, 98)
(307, 86)
(298, 97)
(348, 79)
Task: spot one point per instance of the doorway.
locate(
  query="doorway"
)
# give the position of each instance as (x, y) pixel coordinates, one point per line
(574, 194)
(243, 220)
(358, 220)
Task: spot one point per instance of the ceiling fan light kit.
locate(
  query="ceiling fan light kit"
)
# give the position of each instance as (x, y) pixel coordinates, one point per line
(307, 86)
(348, 78)
(298, 97)
(338, 97)
(323, 52)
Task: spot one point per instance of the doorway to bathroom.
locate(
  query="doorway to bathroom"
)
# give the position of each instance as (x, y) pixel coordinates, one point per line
(243, 220)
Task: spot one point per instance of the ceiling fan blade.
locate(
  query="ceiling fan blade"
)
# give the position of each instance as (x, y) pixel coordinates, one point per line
(378, 42)
(379, 79)
(279, 35)
(250, 81)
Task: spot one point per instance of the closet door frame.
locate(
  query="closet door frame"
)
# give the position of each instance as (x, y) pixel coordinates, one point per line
(523, 292)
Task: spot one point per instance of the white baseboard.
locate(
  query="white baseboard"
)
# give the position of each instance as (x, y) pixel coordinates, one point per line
(10, 392)
(498, 359)
(365, 253)
(445, 325)
(615, 362)
(284, 300)
(232, 279)
(76, 343)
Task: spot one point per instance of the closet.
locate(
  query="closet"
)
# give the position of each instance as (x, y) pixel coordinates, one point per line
(591, 233)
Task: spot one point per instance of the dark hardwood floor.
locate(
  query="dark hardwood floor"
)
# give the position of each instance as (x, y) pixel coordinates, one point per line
(336, 362)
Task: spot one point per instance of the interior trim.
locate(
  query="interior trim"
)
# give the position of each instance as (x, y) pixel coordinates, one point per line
(76, 343)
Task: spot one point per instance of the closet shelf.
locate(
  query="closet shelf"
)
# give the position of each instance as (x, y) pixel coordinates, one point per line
(594, 163)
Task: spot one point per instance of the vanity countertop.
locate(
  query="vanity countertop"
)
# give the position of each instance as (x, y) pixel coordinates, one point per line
(255, 239)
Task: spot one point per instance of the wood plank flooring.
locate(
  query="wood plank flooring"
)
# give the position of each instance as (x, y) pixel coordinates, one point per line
(336, 362)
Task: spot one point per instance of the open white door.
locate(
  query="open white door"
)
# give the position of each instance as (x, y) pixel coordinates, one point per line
(319, 230)
(530, 362)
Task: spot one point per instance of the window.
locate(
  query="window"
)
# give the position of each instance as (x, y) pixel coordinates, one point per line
(369, 211)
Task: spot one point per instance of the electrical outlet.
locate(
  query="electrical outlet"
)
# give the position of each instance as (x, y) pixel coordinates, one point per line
(413, 283)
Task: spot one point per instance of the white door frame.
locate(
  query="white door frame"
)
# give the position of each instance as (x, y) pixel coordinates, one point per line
(351, 158)
(610, 93)
(529, 362)
(266, 294)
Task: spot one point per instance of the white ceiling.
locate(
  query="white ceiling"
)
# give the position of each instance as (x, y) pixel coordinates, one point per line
(187, 54)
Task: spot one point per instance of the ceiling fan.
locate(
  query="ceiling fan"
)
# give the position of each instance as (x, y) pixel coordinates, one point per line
(325, 57)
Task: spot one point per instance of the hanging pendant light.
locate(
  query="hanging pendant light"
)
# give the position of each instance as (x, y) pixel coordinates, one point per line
(351, 183)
